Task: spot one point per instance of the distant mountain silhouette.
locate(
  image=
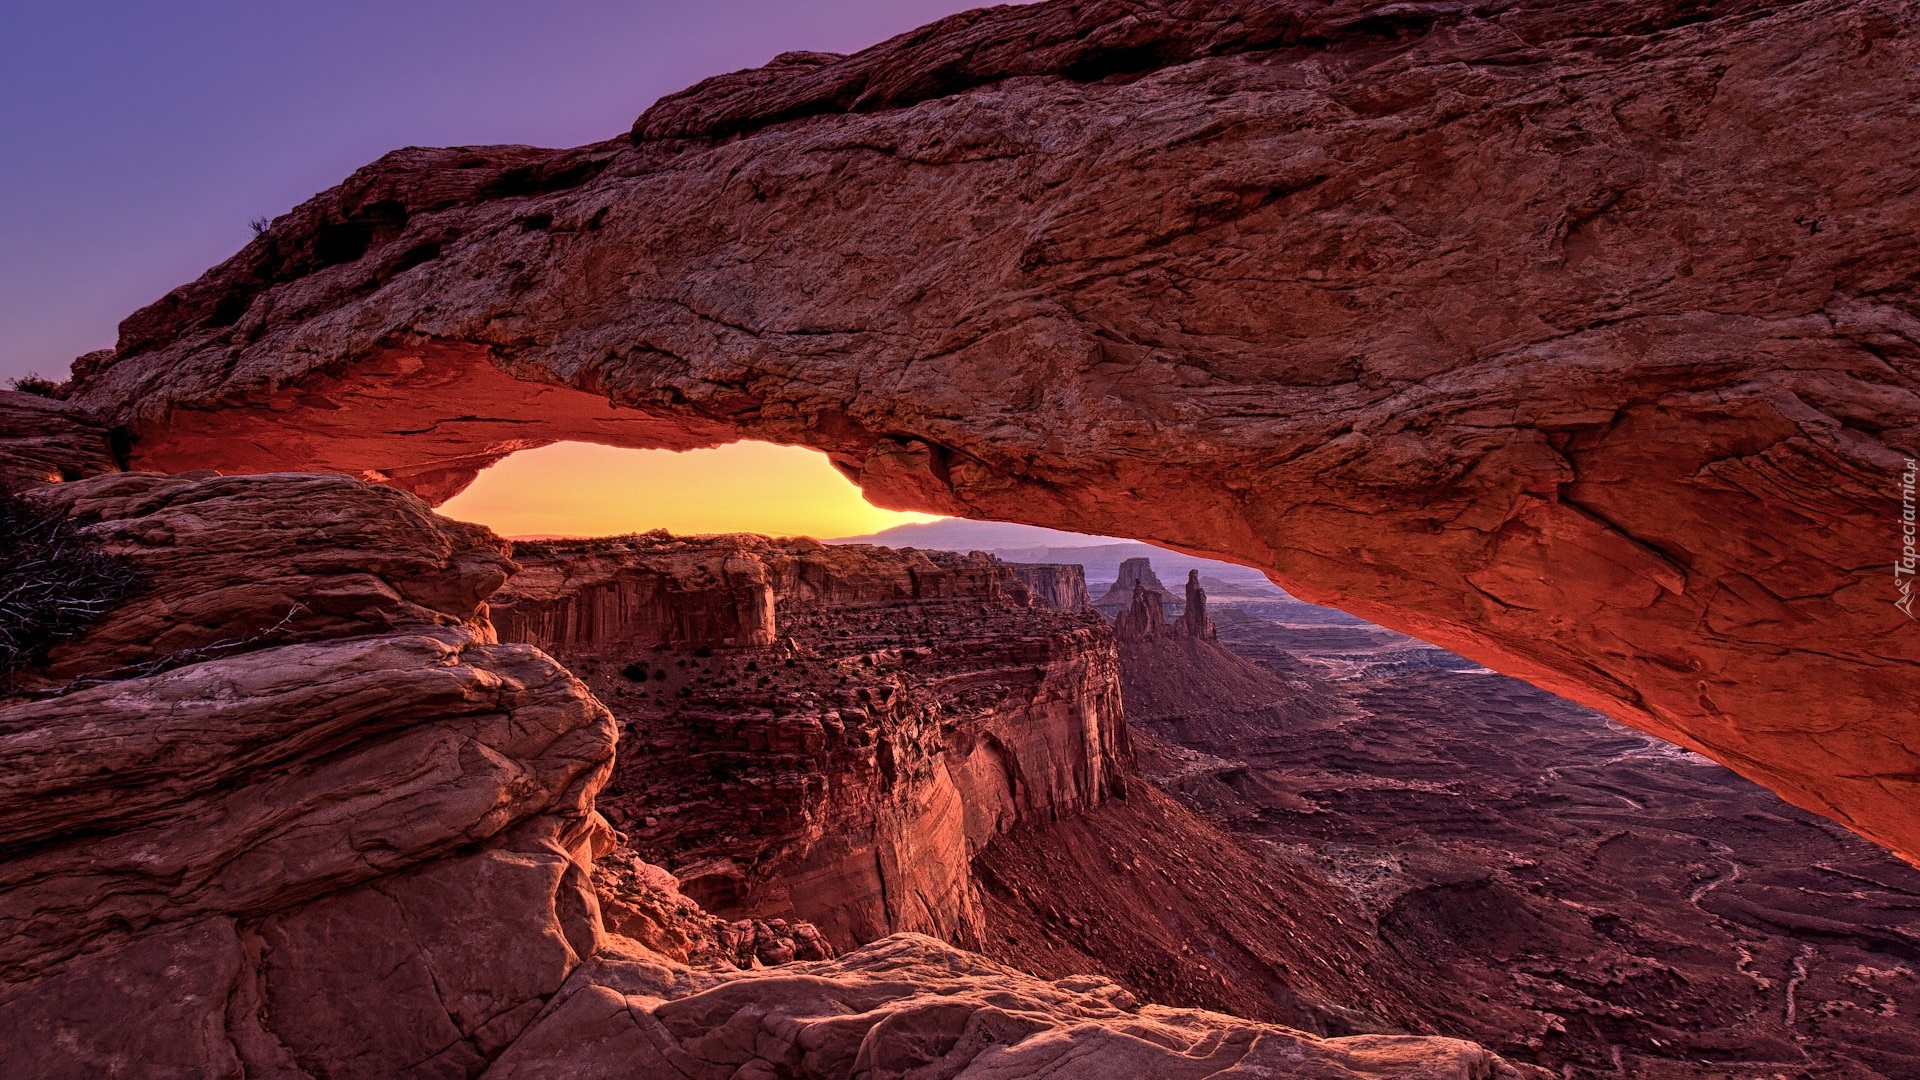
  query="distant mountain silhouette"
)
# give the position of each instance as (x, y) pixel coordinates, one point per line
(961, 534)
(1100, 555)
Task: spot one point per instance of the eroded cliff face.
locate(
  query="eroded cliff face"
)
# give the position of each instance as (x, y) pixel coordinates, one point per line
(1580, 339)
(829, 733)
(1055, 585)
(685, 597)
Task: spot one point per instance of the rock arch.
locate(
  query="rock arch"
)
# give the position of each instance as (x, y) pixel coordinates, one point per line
(1579, 338)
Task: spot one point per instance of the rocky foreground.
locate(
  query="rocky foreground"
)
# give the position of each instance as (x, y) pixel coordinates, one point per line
(291, 810)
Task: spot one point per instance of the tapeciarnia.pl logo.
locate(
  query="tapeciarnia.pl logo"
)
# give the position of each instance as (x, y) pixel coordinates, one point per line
(1904, 567)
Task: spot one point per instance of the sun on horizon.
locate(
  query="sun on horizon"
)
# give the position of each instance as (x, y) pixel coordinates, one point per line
(582, 489)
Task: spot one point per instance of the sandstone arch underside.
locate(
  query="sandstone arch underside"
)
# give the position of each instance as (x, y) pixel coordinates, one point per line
(1579, 338)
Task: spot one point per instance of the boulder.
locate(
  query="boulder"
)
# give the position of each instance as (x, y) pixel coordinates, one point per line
(228, 564)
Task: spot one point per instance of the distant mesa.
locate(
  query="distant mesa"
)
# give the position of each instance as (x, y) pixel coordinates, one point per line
(962, 534)
(1145, 614)
(1135, 576)
(1100, 556)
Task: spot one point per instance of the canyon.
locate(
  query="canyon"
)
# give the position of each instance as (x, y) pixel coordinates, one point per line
(1520, 870)
(881, 716)
(1578, 340)
(768, 760)
(338, 829)
(1335, 828)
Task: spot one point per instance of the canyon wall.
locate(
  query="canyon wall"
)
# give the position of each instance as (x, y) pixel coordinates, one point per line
(1577, 338)
(697, 599)
(829, 733)
(1058, 586)
(657, 590)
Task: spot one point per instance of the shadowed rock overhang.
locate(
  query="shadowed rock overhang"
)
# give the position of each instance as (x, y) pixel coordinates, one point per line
(1580, 338)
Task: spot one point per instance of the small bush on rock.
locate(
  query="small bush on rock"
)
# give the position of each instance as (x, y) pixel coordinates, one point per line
(37, 385)
(54, 580)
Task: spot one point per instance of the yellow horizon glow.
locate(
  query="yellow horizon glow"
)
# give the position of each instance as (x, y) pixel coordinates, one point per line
(581, 489)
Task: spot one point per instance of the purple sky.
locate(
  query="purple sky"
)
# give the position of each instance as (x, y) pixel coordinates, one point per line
(137, 138)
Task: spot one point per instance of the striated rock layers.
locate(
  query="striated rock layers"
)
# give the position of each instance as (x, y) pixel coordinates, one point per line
(1062, 587)
(44, 441)
(829, 733)
(360, 842)
(234, 563)
(1578, 338)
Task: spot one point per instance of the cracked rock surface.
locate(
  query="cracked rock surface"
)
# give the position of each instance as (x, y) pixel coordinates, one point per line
(913, 1006)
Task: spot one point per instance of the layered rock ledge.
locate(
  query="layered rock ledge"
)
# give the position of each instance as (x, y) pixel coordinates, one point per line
(354, 840)
(46, 441)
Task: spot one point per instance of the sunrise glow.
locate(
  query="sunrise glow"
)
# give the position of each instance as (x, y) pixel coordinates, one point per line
(579, 489)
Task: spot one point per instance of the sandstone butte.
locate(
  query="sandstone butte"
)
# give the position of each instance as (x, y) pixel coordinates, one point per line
(1575, 337)
(1579, 338)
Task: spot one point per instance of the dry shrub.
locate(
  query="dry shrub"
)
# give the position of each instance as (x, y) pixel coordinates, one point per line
(54, 580)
